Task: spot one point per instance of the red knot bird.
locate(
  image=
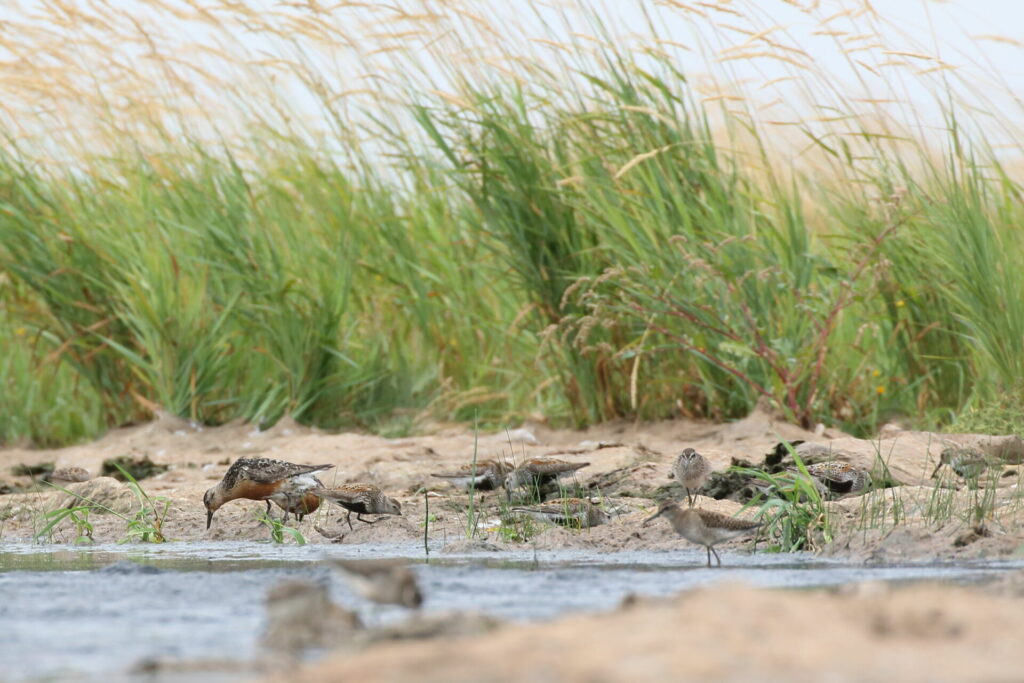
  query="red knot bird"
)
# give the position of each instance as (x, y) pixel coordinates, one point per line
(484, 475)
(68, 475)
(838, 477)
(283, 482)
(362, 499)
(968, 462)
(704, 527)
(691, 470)
(571, 512)
(540, 473)
(383, 581)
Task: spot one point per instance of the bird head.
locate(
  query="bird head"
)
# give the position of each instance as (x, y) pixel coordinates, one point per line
(212, 500)
(665, 506)
(392, 507)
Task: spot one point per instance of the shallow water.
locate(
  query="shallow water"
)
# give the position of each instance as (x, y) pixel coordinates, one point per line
(94, 613)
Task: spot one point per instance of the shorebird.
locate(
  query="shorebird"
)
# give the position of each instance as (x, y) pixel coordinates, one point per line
(484, 475)
(704, 527)
(968, 462)
(838, 477)
(540, 473)
(68, 475)
(573, 512)
(691, 470)
(300, 616)
(383, 581)
(307, 503)
(283, 482)
(362, 499)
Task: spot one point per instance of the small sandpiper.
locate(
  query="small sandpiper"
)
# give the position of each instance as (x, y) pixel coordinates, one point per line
(571, 512)
(283, 482)
(691, 469)
(484, 475)
(383, 581)
(968, 462)
(540, 473)
(838, 477)
(362, 499)
(68, 475)
(704, 527)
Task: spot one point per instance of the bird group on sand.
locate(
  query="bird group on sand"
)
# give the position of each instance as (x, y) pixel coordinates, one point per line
(298, 491)
(295, 489)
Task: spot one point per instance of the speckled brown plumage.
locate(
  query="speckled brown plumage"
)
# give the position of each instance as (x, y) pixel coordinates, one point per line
(484, 475)
(262, 479)
(573, 512)
(704, 527)
(362, 499)
(540, 472)
(839, 477)
(691, 470)
(967, 462)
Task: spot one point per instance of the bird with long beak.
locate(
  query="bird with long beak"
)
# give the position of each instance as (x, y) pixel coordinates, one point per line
(266, 479)
(703, 527)
(968, 462)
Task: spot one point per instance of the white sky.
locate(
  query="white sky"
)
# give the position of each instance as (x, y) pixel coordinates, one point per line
(989, 71)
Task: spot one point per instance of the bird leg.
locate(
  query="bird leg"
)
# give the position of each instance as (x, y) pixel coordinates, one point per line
(708, 548)
(359, 516)
(689, 497)
(717, 558)
(348, 518)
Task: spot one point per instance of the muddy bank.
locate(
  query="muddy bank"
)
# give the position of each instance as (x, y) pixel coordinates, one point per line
(628, 470)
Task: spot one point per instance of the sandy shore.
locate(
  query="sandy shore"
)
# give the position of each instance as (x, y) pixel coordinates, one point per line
(729, 633)
(629, 466)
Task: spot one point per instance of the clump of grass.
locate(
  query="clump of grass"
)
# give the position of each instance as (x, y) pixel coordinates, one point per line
(278, 529)
(148, 522)
(945, 503)
(77, 515)
(145, 525)
(471, 506)
(793, 512)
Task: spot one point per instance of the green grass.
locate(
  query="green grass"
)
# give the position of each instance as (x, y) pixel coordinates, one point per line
(584, 238)
(145, 525)
(278, 530)
(793, 514)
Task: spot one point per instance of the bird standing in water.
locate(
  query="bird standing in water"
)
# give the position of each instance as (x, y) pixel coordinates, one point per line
(704, 527)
